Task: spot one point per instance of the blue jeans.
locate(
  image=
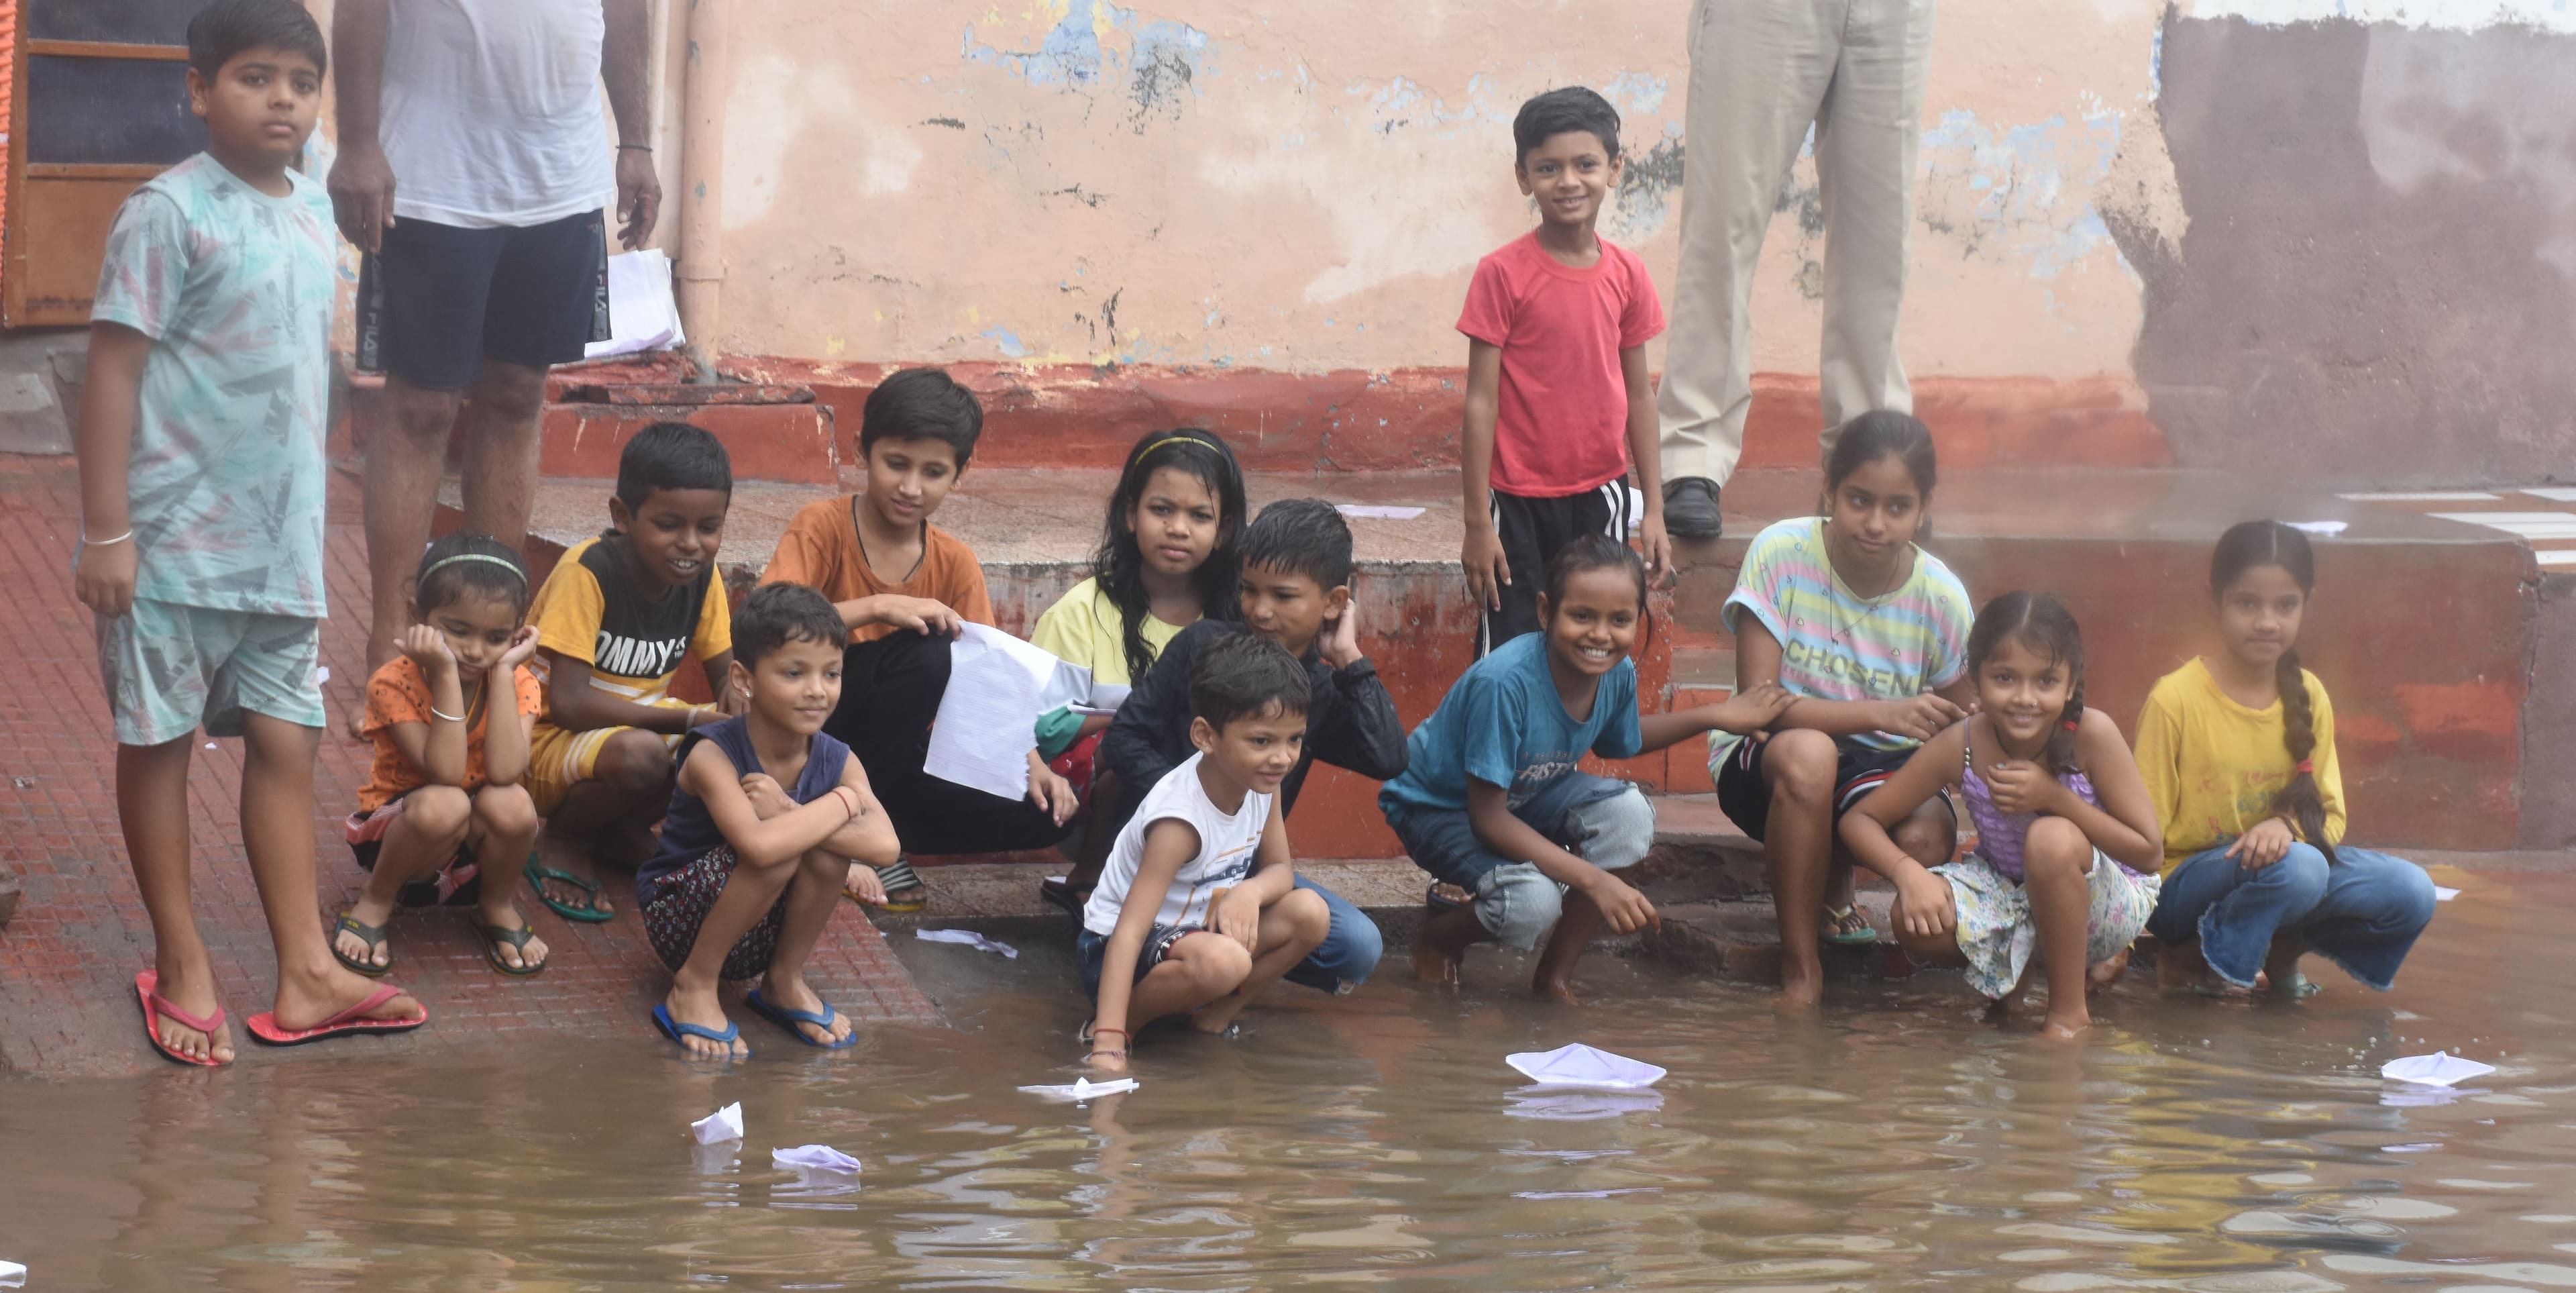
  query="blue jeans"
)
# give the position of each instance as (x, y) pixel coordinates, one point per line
(1606, 823)
(1349, 952)
(2363, 912)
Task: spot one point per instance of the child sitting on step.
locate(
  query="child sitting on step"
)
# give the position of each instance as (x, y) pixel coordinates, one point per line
(1198, 909)
(2067, 842)
(767, 815)
(450, 719)
(1491, 799)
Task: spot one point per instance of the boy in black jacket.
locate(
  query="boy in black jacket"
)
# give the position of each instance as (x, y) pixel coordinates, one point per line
(1296, 592)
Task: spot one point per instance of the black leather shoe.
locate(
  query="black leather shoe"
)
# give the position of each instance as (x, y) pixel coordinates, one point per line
(1690, 508)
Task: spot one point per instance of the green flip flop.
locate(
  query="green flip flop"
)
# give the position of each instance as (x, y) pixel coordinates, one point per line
(371, 935)
(493, 936)
(1845, 928)
(538, 874)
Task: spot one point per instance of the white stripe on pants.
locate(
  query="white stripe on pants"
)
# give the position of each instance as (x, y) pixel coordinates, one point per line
(1761, 71)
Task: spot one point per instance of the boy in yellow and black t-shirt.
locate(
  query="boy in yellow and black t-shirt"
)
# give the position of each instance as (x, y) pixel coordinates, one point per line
(614, 621)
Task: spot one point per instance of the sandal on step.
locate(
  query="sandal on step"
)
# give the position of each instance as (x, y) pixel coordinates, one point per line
(371, 935)
(147, 988)
(494, 936)
(1444, 896)
(1845, 928)
(790, 1019)
(538, 874)
(897, 877)
(1059, 893)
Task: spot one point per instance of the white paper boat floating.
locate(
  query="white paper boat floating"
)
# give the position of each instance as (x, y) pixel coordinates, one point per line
(2441, 1068)
(718, 1127)
(819, 1157)
(1579, 1065)
(1083, 1089)
(1575, 1104)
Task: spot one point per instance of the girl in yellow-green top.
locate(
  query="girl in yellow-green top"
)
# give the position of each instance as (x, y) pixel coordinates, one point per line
(1167, 559)
(2238, 752)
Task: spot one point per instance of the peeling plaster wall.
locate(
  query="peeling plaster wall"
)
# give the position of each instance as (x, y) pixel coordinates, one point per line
(1307, 187)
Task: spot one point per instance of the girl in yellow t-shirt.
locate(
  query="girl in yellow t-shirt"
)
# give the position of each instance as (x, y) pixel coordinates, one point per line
(2238, 752)
(1167, 559)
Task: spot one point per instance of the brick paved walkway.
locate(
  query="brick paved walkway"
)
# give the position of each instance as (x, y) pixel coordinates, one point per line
(67, 961)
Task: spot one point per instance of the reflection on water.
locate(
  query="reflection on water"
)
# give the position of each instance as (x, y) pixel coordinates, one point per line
(1379, 1139)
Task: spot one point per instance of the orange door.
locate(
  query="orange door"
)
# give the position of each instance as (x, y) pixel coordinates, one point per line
(101, 106)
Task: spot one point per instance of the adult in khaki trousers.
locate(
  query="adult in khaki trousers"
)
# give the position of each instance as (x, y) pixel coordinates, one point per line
(1762, 71)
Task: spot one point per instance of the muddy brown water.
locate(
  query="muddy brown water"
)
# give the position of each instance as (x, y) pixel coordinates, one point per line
(1896, 1143)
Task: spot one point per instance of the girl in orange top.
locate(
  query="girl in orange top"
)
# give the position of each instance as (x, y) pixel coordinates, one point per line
(443, 797)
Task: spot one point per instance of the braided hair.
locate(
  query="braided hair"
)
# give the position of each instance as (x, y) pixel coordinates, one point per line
(2249, 546)
(2042, 623)
(1119, 563)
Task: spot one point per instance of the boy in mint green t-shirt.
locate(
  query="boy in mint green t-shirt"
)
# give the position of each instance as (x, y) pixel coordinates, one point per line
(200, 442)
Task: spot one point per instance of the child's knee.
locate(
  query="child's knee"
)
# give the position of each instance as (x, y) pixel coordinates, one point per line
(1929, 835)
(437, 812)
(1219, 963)
(2302, 873)
(2056, 847)
(634, 762)
(1801, 765)
(1519, 905)
(1307, 913)
(1618, 831)
(506, 811)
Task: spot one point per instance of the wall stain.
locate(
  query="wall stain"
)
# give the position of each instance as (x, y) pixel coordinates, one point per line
(950, 122)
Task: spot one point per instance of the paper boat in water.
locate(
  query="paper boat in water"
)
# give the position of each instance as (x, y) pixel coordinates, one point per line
(1575, 1104)
(2441, 1068)
(1579, 1065)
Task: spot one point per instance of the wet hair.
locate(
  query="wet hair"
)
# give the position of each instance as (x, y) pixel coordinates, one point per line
(923, 404)
(2249, 546)
(1301, 536)
(2042, 623)
(671, 455)
(1883, 433)
(1594, 552)
(1564, 111)
(465, 564)
(777, 614)
(1119, 564)
(1243, 674)
(224, 29)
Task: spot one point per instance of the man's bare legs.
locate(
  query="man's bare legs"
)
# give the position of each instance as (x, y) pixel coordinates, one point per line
(407, 459)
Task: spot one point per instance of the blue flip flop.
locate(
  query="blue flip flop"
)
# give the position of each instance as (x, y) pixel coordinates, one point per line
(789, 1019)
(678, 1032)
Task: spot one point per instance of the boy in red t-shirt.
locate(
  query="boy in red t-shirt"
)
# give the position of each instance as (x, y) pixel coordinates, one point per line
(1557, 400)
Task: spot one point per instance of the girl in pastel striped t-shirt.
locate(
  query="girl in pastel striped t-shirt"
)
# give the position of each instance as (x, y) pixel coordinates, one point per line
(1870, 632)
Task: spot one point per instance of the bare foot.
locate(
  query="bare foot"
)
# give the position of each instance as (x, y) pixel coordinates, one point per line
(796, 994)
(1557, 990)
(507, 916)
(2102, 974)
(305, 1000)
(1216, 1018)
(2065, 1028)
(563, 855)
(192, 989)
(864, 886)
(1432, 965)
(1800, 995)
(701, 1007)
(2179, 965)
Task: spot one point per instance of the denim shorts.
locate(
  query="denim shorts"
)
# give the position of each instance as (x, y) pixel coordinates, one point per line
(1089, 949)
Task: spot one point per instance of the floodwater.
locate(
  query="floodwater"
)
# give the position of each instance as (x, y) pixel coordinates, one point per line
(1897, 1143)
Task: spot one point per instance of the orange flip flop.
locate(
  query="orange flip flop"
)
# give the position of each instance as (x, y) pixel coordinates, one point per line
(263, 1026)
(147, 989)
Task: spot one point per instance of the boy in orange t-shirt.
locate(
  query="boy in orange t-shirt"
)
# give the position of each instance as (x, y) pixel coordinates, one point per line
(906, 588)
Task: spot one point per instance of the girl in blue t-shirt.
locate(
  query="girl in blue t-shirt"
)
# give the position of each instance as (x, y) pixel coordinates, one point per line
(1491, 799)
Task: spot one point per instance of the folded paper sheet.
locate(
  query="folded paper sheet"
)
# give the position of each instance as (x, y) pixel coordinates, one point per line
(642, 315)
(819, 1157)
(2441, 1068)
(1581, 1065)
(967, 938)
(1083, 1089)
(997, 687)
(722, 1125)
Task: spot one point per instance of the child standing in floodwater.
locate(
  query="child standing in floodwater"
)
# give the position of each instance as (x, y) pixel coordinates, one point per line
(2067, 843)
(2238, 749)
(1492, 801)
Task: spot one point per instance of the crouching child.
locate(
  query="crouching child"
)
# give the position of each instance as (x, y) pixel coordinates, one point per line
(1197, 910)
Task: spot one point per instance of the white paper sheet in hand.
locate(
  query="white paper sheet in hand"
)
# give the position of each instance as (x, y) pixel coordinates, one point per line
(821, 1157)
(642, 315)
(1581, 1065)
(722, 1125)
(997, 687)
(967, 938)
(2441, 1068)
(1083, 1089)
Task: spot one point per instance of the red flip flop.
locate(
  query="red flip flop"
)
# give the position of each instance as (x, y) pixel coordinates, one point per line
(263, 1026)
(147, 985)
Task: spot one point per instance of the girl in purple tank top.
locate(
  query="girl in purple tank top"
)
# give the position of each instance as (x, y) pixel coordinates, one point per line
(2067, 842)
